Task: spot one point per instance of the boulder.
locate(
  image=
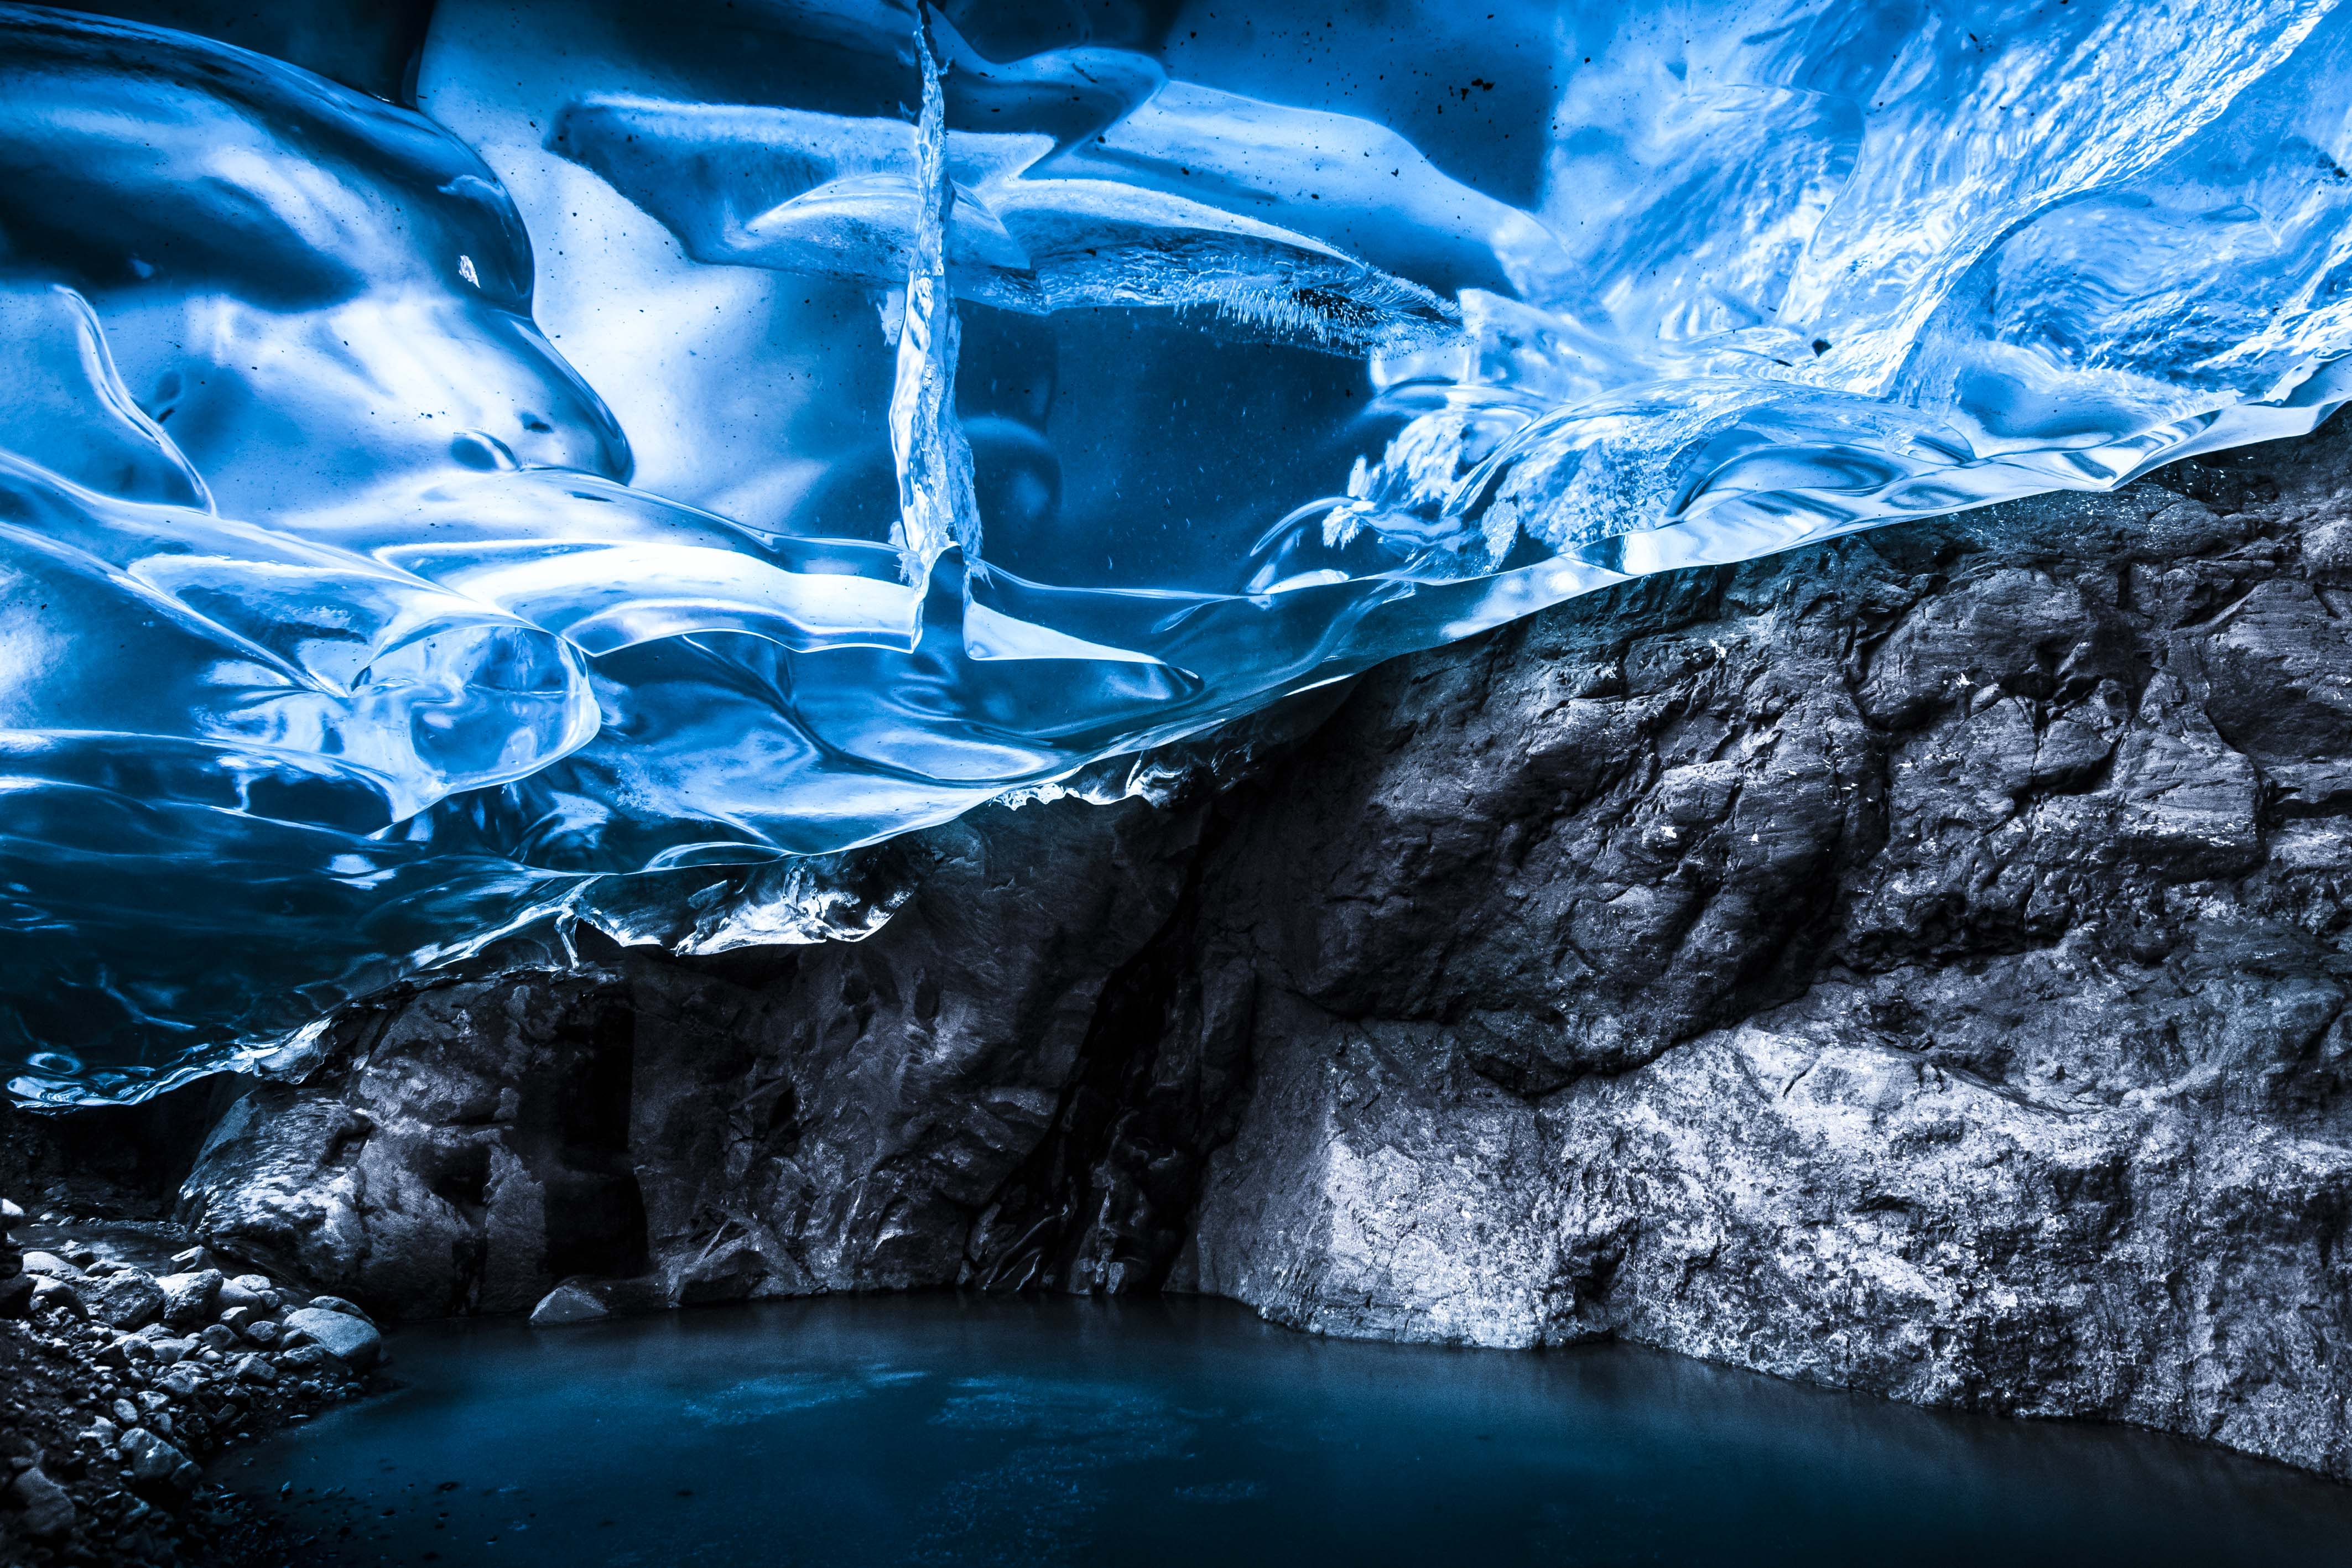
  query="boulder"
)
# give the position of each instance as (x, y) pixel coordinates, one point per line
(57, 1295)
(246, 1292)
(155, 1465)
(188, 1297)
(352, 1340)
(48, 1511)
(566, 1304)
(337, 1304)
(126, 1298)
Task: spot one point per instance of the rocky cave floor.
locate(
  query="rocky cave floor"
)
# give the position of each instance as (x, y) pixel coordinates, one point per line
(128, 1355)
(1919, 964)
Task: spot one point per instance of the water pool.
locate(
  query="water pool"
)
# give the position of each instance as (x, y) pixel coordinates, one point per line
(946, 1429)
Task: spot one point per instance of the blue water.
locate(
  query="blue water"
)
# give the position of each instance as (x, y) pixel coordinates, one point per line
(938, 1429)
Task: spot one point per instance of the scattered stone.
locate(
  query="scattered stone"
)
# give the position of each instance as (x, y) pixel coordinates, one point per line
(17, 1296)
(264, 1334)
(305, 1357)
(252, 1368)
(222, 1337)
(568, 1303)
(51, 1264)
(350, 1339)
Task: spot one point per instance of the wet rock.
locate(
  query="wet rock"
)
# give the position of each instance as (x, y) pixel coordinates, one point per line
(126, 1298)
(337, 1304)
(49, 1512)
(568, 1303)
(58, 1295)
(352, 1340)
(188, 1297)
(1917, 964)
(307, 1359)
(241, 1295)
(155, 1464)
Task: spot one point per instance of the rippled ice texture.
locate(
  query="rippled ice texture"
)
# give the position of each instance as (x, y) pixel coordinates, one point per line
(693, 437)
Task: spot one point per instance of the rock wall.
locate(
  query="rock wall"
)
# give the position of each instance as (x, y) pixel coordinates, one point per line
(779, 1121)
(1918, 963)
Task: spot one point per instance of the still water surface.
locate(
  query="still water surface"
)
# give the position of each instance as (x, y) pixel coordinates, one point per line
(939, 1429)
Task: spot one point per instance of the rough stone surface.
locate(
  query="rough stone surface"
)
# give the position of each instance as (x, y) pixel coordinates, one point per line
(1918, 963)
(48, 1510)
(190, 1299)
(780, 1122)
(127, 1299)
(353, 1341)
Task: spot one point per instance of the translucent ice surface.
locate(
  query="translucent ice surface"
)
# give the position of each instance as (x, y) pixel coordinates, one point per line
(686, 441)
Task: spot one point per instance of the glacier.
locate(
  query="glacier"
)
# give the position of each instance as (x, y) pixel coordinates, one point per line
(676, 445)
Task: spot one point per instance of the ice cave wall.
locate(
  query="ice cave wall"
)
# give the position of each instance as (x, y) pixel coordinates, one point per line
(662, 452)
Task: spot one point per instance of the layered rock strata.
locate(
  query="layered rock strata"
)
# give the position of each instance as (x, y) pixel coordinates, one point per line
(1918, 963)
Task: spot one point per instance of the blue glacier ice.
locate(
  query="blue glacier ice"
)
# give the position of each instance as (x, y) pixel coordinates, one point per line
(684, 441)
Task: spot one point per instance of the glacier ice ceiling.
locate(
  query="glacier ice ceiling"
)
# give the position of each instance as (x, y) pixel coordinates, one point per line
(655, 447)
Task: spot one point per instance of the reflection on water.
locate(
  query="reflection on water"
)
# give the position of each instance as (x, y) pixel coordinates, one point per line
(938, 1429)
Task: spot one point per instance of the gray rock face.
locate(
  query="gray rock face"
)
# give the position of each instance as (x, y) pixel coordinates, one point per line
(781, 1122)
(1919, 962)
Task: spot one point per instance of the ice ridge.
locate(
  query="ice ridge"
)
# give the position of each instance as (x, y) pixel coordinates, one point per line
(684, 445)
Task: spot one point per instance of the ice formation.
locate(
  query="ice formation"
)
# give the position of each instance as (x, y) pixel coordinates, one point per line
(689, 440)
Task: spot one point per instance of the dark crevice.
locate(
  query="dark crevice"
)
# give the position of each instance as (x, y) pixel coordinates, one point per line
(1102, 1203)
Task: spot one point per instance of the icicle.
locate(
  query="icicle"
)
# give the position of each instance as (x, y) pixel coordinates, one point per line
(936, 507)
